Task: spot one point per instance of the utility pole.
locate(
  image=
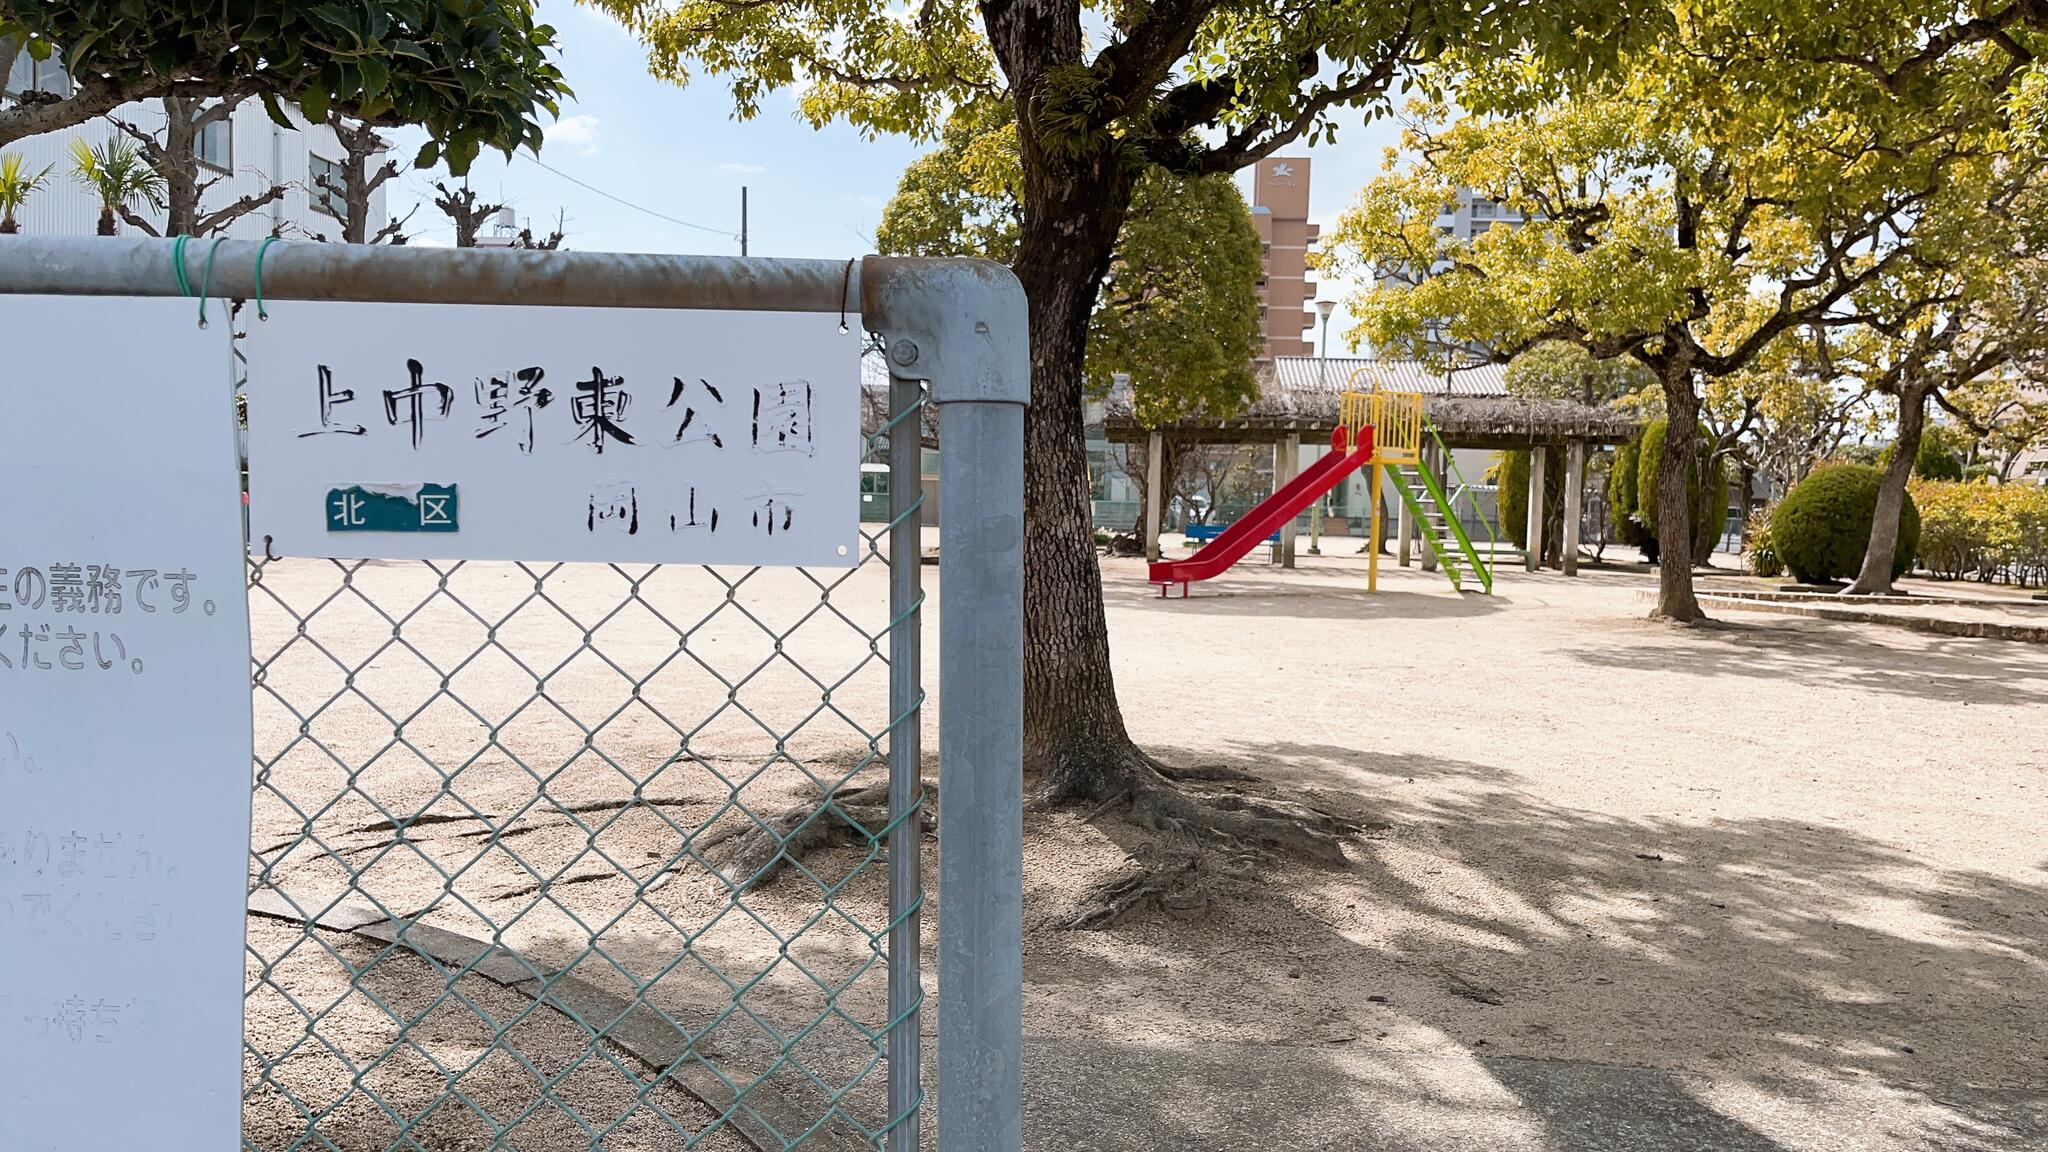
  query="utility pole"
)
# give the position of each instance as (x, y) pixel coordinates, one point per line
(743, 219)
(1315, 511)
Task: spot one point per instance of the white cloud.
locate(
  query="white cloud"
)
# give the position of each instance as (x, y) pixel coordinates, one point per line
(578, 132)
(743, 169)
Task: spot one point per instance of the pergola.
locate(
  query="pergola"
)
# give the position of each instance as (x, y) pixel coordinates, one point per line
(1299, 403)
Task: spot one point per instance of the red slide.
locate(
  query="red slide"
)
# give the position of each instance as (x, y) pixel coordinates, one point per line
(1255, 526)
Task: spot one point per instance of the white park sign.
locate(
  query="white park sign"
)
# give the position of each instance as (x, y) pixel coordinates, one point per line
(457, 432)
(124, 730)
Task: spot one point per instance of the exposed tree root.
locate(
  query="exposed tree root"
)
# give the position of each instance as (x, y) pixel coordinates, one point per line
(759, 852)
(1201, 836)
(762, 850)
(1175, 887)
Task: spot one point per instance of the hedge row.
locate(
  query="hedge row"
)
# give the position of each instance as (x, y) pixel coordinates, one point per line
(1984, 531)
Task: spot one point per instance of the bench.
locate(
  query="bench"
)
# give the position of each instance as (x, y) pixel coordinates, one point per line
(1203, 533)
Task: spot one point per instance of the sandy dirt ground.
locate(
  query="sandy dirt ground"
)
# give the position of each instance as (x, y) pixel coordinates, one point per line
(1774, 852)
(1772, 885)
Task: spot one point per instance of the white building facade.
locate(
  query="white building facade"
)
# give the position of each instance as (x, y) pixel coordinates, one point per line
(1472, 214)
(248, 152)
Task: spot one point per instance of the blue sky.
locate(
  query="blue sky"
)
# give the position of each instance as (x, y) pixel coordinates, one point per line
(679, 152)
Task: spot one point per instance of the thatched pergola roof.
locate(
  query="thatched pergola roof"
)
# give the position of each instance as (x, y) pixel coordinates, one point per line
(1470, 410)
(1470, 407)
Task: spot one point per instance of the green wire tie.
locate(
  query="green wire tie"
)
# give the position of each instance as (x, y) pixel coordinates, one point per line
(261, 313)
(178, 266)
(206, 280)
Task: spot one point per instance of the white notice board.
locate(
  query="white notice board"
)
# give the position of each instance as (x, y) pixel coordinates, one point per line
(124, 729)
(460, 432)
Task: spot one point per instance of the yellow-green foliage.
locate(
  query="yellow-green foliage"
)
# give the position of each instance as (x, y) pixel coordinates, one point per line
(1990, 531)
(1762, 555)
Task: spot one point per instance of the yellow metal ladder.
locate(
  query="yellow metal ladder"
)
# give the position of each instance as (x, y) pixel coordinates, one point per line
(1396, 422)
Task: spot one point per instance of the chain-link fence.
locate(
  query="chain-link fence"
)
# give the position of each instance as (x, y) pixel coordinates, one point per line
(554, 856)
(563, 855)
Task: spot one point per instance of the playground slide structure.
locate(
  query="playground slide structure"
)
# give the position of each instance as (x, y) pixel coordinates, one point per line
(1255, 526)
(1383, 431)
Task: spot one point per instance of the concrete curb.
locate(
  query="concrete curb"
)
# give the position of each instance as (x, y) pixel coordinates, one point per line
(762, 1112)
(1916, 600)
(1932, 625)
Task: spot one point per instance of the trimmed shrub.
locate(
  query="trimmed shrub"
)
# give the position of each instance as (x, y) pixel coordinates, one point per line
(1709, 488)
(1621, 495)
(1938, 458)
(1935, 461)
(1822, 527)
(1511, 496)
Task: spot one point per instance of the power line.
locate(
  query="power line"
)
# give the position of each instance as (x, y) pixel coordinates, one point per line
(727, 233)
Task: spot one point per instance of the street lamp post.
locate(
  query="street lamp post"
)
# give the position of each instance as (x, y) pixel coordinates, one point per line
(1315, 511)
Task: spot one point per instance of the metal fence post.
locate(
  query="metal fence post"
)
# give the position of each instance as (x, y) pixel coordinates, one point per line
(962, 325)
(906, 791)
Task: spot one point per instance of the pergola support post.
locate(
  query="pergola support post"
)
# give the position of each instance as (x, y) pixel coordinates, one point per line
(1574, 497)
(1539, 462)
(1286, 464)
(1155, 447)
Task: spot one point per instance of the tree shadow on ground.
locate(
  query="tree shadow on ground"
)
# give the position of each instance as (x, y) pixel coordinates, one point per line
(1824, 654)
(364, 1048)
(1319, 600)
(1226, 1098)
(1749, 950)
(1305, 765)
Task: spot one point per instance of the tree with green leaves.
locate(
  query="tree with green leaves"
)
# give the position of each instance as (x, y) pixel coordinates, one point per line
(1994, 313)
(1683, 212)
(473, 73)
(2007, 415)
(1561, 370)
(1788, 411)
(1197, 87)
(1178, 313)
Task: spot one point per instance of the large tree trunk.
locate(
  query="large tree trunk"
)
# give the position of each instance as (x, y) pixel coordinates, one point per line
(179, 166)
(1875, 578)
(1073, 731)
(1675, 599)
(1703, 545)
(356, 198)
(1074, 206)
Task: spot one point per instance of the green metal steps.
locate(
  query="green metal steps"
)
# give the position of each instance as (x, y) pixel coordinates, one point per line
(1442, 533)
